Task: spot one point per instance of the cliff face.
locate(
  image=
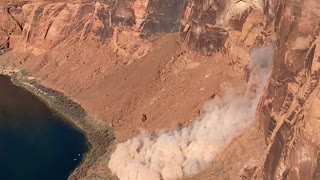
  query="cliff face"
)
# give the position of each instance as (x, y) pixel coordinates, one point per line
(288, 117)
(45, 24)
(287, 114)
(118, 57)
(207, 25)
(8, 28)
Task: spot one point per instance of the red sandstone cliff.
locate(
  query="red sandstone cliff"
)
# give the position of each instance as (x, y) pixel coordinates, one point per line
(164, 59)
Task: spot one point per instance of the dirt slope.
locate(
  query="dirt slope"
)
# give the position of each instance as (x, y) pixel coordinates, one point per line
(153, 64)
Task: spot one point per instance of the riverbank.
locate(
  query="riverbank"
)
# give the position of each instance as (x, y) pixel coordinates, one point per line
(99, 139)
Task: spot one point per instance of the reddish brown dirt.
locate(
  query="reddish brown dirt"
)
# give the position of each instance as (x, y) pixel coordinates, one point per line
(130, 77)
(169, 86)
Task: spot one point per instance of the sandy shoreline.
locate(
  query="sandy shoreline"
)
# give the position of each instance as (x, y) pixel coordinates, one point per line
(99, 139)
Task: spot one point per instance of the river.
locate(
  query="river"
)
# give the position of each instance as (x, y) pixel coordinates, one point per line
(35, 142)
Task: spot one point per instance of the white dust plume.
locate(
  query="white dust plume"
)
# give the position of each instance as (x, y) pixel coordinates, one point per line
(185, 152)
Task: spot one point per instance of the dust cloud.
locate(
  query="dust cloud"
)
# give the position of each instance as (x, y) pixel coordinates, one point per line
(185, 152)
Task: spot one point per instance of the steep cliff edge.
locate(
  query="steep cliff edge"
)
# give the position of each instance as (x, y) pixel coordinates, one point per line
(152, 64)
(287, 116)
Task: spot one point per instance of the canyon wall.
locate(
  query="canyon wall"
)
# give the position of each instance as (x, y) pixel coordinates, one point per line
(78, 46)
(45, 24)
(287, 115)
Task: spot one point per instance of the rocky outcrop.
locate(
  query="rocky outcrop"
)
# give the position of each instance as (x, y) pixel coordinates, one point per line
(91, 40)
(44, 24)
(47, 25)
(9, 27)
(150, 16)
(286, 115)
(164, 16)
(207, 25)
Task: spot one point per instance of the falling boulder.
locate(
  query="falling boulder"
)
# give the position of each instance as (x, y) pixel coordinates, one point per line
(144, 118)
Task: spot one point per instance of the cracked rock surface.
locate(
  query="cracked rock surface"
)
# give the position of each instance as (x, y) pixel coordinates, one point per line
(165, 59)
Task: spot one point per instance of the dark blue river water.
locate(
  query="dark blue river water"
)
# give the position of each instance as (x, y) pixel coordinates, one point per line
(35, 143)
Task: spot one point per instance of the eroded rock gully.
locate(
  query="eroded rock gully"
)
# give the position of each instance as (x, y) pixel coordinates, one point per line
(122, 59)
